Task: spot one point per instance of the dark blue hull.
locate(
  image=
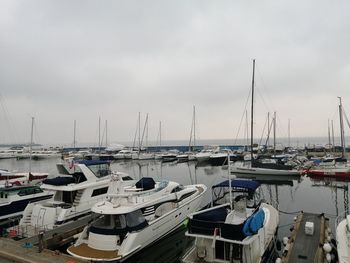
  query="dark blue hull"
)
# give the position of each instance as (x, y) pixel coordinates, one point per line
(16, 207)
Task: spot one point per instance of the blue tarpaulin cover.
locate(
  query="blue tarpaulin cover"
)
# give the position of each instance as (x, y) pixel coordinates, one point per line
(217, 215)
(254, 223)
(92, 162)
(238, 183)
(59, 181)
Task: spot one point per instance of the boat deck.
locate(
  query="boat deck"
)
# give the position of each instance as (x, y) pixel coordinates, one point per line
(14, 251)
(200, 189)
(307, 248)
(85, 251)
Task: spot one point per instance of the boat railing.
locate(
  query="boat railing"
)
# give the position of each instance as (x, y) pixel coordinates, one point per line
(212, 223)
(30, 230)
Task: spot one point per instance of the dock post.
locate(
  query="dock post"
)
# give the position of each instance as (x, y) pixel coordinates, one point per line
(41, 241)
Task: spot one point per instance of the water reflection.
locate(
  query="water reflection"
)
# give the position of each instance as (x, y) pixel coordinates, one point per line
(168, 250)
(292, 193)
(339, 189)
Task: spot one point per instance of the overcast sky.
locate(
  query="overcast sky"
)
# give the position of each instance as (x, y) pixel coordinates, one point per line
(67, 60)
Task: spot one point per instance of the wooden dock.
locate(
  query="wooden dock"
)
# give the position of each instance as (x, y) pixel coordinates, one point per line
(20, 253)
(307, 248)
(59, 236)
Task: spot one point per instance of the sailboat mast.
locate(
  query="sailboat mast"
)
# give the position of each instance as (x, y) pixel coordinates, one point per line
(229, 179)
(342, 137)
(139, 125)
(246, 131)
(31, 146)
(99, 133)
(194, 127)
(147, 133)
(160, 135)
(192, 132)
(146, 127)
(274, 133)
(289, 133)
(268, 129)
(329, 136)
(332, 136)
(106, 134)
(74, 134)
(252, 116)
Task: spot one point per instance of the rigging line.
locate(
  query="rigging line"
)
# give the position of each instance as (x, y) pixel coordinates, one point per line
(335, 114)
(262, 134)
(36, 133)
(245, 108)
(269, 131)
(190, 142)
(262, 99)
(281, 127)
(133, 144)
(263, 85)
(290, 213)
(144, 130)
(268, 97)
(103, 134)
(346, 118)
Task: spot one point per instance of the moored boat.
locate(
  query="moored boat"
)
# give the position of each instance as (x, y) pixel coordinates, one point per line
(74, 195)
(21, 178)
(343, 238)
(14, 199)
(135, 217)
(341, 170)
(244, 231)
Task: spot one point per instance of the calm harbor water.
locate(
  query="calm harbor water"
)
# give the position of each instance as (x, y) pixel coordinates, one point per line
(293, 194)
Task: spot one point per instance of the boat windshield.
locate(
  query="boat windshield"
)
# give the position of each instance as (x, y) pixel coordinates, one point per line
(112, 224)
(100, 170)
(135, 218)
(132, 220)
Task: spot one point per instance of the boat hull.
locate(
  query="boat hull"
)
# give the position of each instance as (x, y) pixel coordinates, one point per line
(262, 171)
(343, 245)
(344, 173)
(17, 207)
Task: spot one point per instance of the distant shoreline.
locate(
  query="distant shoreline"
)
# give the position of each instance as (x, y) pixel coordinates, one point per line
(294, 142)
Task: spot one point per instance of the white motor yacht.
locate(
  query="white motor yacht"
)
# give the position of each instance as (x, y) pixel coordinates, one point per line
(204, 155)
(123, 154)
(74, 195)
(135, 217)
(14, 199)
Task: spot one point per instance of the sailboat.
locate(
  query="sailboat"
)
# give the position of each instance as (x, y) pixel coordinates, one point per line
(145, 155)
(255, 167)
(21, 178)
(17, 190)
(190, 155)
(338, 169)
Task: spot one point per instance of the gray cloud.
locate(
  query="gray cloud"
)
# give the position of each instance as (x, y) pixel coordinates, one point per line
(66, 60)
